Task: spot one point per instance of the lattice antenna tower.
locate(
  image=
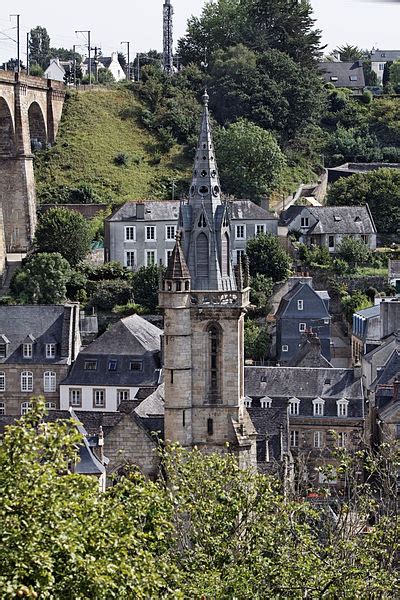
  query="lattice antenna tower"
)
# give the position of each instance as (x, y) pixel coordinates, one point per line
(168, 57)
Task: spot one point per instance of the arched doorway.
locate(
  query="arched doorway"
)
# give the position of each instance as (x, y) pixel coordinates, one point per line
(7, 137)
(37, 127)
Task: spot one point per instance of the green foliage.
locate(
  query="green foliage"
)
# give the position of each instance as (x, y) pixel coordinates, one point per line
(349, 53)
(250, 160)
(395, 75)
(121, 159)
(104, 295)
(351, 303)
(145, 287)
(39, 47)
(41, 279)
(315, 257)
(261, 289)
(380, 189)
(64, 231)
(354, 252)
(36, 70)
(105, 77)
(352, 145)
(257, 341)
(267, 257)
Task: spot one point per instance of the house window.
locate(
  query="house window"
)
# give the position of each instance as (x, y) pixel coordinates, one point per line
(50, 405)
(317, 439)
(239, 256)
(2, 381)
(150, 233)
(304, 221)
(90, 365)
(170, 231)
(150, 257)
(49, 381)
(294, 407)
(99, 398)
(294, 439)
(136, 365)
(75, 397)
(302, 327)
(3, 350)
(130, 259)
(381, 66)
(331, 241)
(168, 254)
(266, 402)
(240, 232)
(342, 408)
(26, 381)
(285, 348)
(25, 407)
(50, 350)
(365, 239)
(260, 229)
(342, 439)
(300, 304)
(2, 408)
(27, 350)
(112, 364)
(122, 396)
(130, 234)
(248, 402)
(318, 406)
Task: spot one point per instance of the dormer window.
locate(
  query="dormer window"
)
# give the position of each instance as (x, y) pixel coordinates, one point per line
(27, 350)
(90, 365)
(112, 364)
(266, 402)
(294, 407)
(50, 350)
(342, 407)
(318, 406)
(3, 349)
(304, 222)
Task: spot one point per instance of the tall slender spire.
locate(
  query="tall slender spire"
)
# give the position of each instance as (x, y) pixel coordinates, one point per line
(205, 187)
(168, 58)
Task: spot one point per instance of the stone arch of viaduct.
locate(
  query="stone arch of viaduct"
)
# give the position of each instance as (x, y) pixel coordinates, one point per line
(30, 113)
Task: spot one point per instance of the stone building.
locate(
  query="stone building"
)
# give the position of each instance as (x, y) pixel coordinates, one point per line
(204, 301)
(114, 367)
(38, 344)
(142, 233)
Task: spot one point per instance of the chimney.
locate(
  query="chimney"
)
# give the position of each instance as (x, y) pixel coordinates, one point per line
(357, 369)
(396, 390)
(140, 210)
(264, 202)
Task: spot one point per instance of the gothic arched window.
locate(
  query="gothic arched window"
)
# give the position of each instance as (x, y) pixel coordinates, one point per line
(202, 221)
(202, 255)
(214, 343)
(225, 255)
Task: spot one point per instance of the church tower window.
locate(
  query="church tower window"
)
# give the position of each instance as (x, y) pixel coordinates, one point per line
(225, 255)
(214, 348)
(210, 427)
(202, 255)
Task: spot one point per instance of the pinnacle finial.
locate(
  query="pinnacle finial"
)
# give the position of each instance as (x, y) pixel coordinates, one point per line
(205, 97)
(178, 237)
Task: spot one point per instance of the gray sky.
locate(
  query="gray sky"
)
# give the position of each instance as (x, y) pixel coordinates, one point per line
(358, 22)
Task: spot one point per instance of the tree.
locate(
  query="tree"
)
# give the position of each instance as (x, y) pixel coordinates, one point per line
(267, 257)
(105, 76)
(105, 294)
(349, 53)
(353, 302)
(41, 279)
(379, 188)
(39, 47)
(12, 64)
(250, 160)
(395, 75)
(257, 341)
(145, 287)
(354, 251)
(261, 289)
(64, 231)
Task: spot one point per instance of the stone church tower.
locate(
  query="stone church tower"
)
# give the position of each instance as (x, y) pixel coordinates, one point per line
(204, 300)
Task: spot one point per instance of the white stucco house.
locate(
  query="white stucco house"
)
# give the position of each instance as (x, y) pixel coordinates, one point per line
(55, 70)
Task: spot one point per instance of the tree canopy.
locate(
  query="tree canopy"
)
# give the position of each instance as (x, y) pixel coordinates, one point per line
(267, 257)
(41, 279)
(66, 232)
(145, 287)
(39, 47)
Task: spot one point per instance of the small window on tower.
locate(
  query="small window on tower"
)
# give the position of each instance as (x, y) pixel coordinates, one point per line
(203, 173)
(210, 427)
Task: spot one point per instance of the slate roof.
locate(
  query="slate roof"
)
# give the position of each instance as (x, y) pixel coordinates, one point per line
(342, 72)
(177, 267)
(44, 323)
(369, 312)
(334, 219)
(384, 55)
(153, 405)
(390, 371)
(168, 210)
(271, 424)
(132, 338)
(302, 382)
(300, 289)
(309, 354)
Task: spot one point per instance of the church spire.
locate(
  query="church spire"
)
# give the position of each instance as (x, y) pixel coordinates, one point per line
(205, 188)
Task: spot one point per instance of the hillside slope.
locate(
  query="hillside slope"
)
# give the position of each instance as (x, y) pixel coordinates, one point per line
(97, 127)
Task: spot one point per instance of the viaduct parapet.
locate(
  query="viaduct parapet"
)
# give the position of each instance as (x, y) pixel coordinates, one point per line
(30, 113)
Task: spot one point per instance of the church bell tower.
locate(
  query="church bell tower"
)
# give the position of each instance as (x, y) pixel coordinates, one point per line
(204, 301)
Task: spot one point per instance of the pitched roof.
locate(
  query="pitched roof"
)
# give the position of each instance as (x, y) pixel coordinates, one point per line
(334, 219)
(343, 74)
(153, 405)
(177, 267)
(43, 323)
(384, 55)
(390, 371)
(304, 382)
(300, 289)
(309, 354)
(248, 211)
(369, 312)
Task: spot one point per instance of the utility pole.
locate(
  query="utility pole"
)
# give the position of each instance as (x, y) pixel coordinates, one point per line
(128, 71)
(87, 31)
(18, 54)
(27, 53)
(138, 66)
(74, 67)
(96, 64)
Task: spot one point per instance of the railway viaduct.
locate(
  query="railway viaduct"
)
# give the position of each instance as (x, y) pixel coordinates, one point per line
(30, 113)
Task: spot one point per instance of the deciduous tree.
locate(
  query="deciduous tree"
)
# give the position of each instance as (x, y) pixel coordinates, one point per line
(267, 257)
(41, 279)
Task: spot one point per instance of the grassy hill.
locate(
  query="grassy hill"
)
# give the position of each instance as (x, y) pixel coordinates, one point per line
(101, 144)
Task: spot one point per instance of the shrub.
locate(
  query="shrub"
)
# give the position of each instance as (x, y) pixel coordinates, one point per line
(107, 294)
